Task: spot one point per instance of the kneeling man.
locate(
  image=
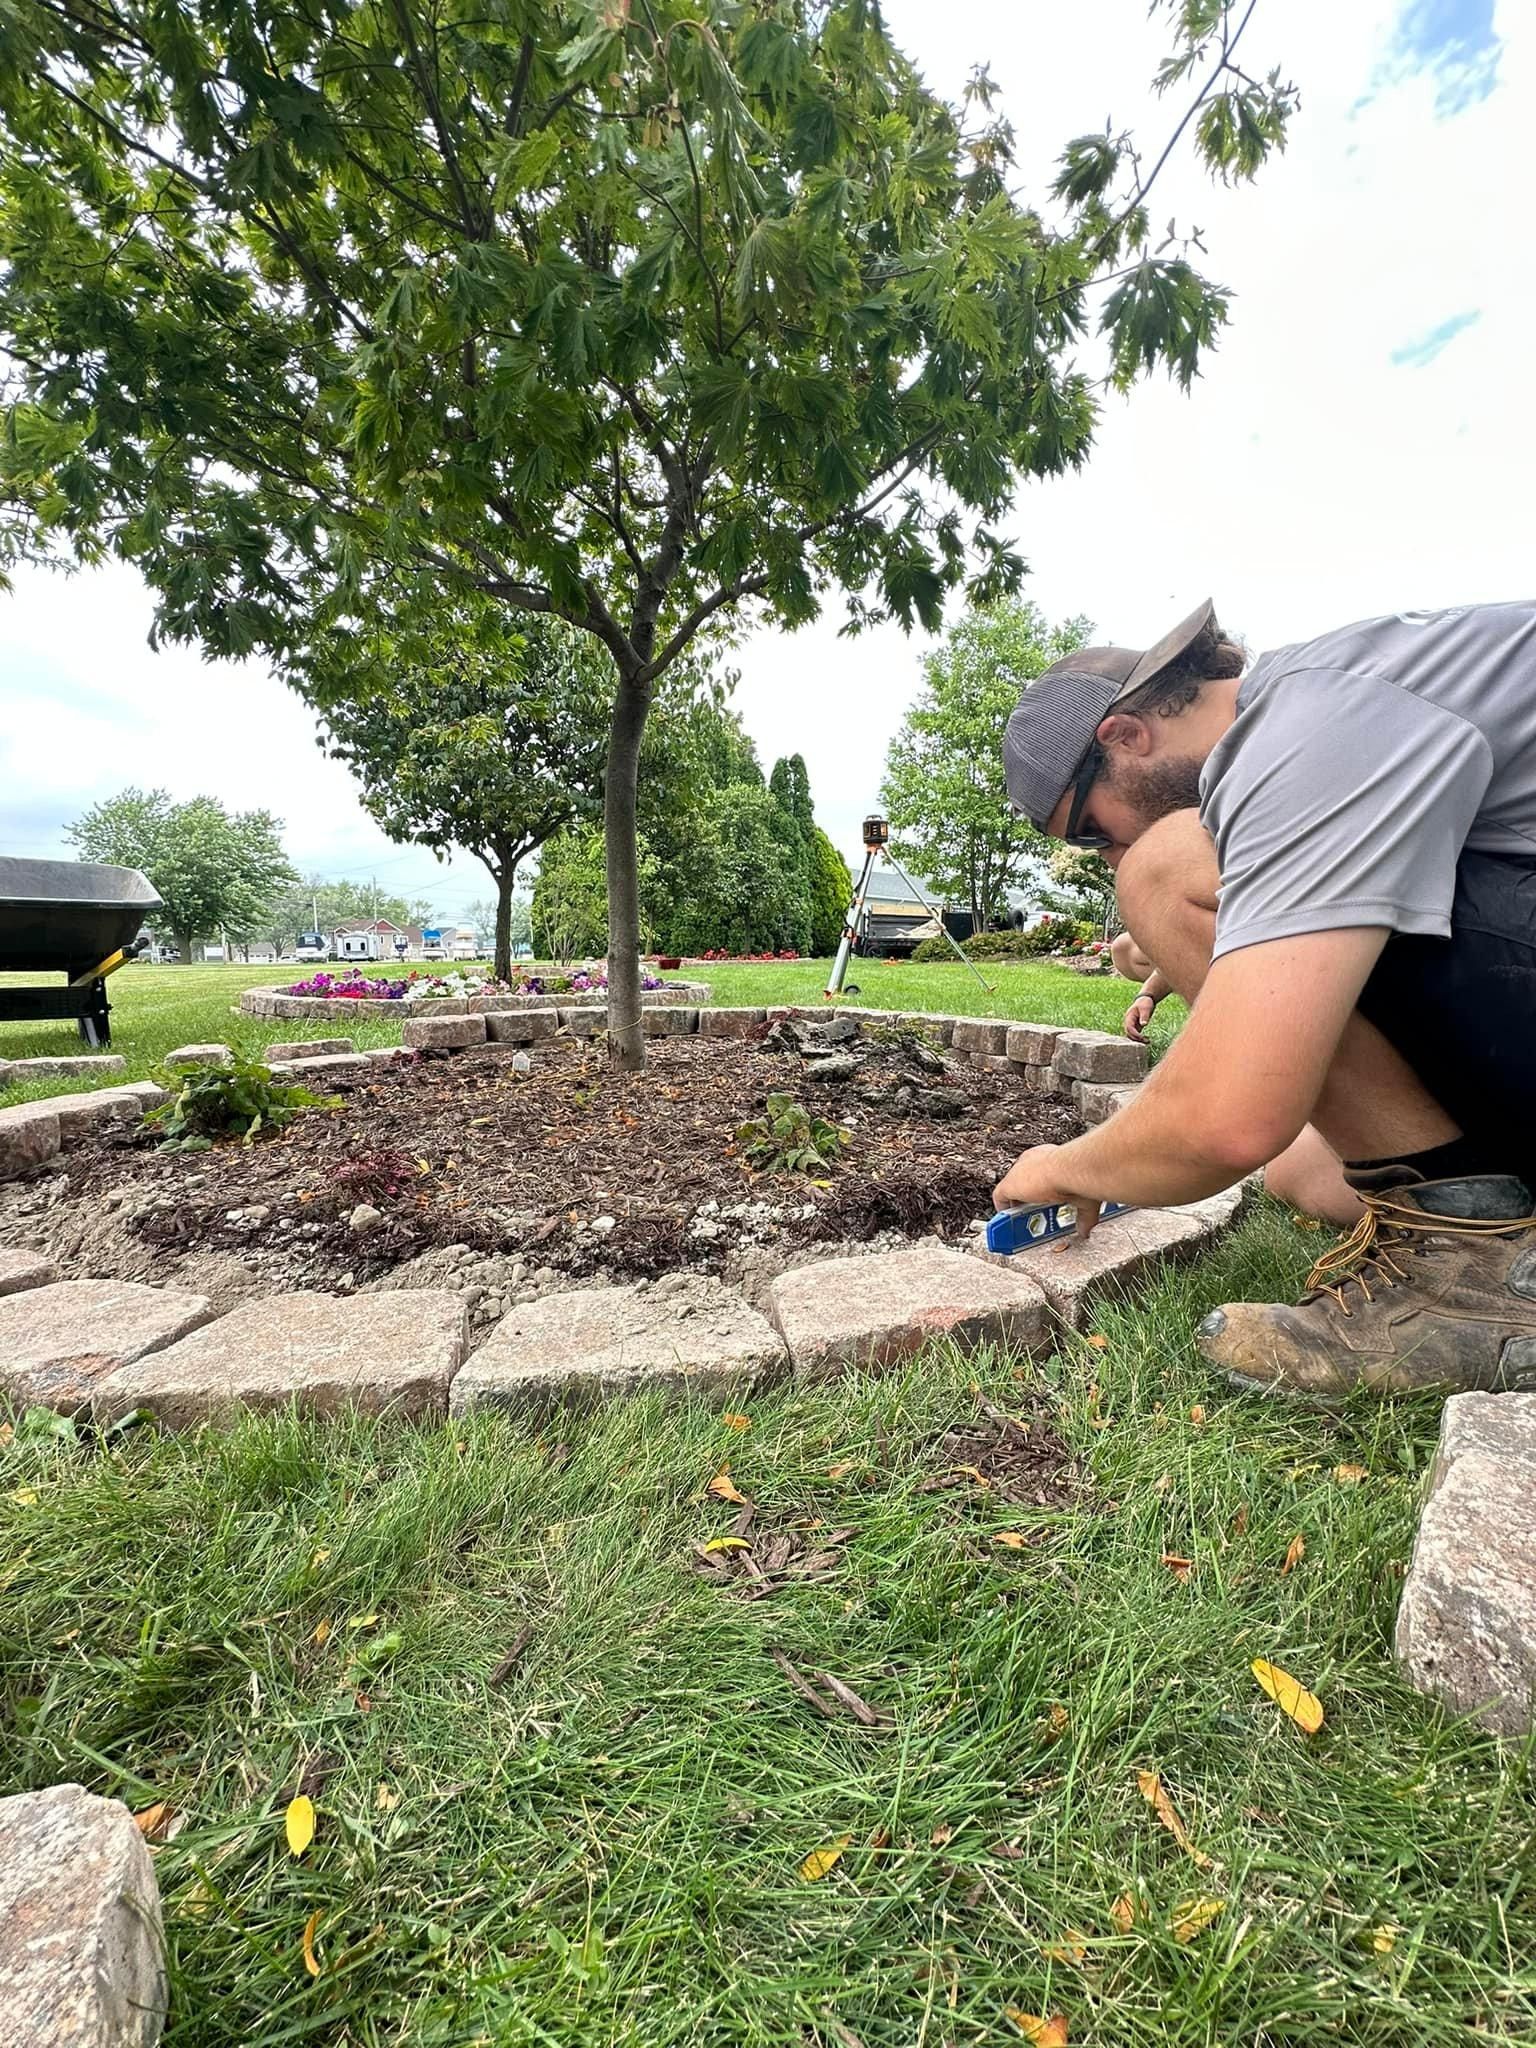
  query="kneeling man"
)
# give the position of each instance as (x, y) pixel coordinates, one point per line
(1332, 857)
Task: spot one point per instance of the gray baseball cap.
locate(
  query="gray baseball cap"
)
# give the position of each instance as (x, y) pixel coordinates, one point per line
(1058, 714)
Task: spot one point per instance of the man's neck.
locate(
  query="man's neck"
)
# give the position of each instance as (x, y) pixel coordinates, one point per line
(1210, 716)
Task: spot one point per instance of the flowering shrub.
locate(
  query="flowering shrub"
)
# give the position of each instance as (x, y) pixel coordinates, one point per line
(580, 981)
(352, 985)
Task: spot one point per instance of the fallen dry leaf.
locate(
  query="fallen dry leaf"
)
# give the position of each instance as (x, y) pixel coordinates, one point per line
(880, 1839)
(310, 1926)
(942, 1833)
(362, 1702)
(1289, 1695)
(1011, 1852)
(1011, 1539)
(363, 1621)
(821, 1860)
(386, 1799)
(737, 1422)
(318, 1559)
(1072, 1947)
(719, 1543)
(1058, 1719)
(1350, 1475)
(1123, 1912)
(841, 1471)
(1197, 1416)
(1181, 1567)
(1045, 2033)
(322, 1632)
(1383, 1940)
(1191, 1915)
(1240, 1522)
(1157, 1798)
(722, 1487)
(299, 1824)
(7, 1431)
(153, 1821)
(1296, 1550)
(1099, 1343)
(24, 1496)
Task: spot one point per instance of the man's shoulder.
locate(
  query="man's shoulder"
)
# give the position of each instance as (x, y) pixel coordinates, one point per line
(1405, 648)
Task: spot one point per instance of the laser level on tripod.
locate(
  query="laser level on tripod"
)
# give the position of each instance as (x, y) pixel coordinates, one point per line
(877, 838)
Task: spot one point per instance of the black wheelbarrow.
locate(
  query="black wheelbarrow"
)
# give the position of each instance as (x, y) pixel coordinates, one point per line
(77, 918)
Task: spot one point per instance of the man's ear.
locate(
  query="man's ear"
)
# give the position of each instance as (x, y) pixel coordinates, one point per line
(1125, 730)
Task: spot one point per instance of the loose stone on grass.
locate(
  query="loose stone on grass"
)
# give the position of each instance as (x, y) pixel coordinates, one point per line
(1466, 1628)
(443, 1031)
(1074, 1272)
(873, 1311)
(62, 1066)
(29, 1135)
(81, 1949)
(688, 1334)
(213, 1055)
(324, 1353)
(308, 1048)
(57, 1343)
(125, 1104)
(21, 1270)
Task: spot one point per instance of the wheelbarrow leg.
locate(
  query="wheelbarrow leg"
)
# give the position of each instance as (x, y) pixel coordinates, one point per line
(96, 1022)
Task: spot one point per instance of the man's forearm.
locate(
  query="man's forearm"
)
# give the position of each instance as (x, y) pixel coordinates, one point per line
(1151, 1154)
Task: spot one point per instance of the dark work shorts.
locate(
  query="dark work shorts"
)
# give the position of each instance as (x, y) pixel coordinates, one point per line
(1462, 1010)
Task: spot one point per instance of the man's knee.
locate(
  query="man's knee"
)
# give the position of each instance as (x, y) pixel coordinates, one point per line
(1171, 866)
(1129, 959)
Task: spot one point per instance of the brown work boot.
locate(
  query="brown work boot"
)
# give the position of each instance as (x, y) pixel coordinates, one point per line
(1435, 1289)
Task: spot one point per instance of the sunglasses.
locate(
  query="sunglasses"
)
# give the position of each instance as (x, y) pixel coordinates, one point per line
(1087, 776)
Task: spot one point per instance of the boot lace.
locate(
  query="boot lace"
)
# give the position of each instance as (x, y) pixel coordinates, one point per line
(1390, 1230)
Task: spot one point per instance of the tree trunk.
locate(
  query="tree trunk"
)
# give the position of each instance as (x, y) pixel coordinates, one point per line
(501, 965)
(183, 947)
(626, 1042)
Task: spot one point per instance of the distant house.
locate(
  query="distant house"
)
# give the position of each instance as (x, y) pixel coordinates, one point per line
(362, 938)
(896, 917)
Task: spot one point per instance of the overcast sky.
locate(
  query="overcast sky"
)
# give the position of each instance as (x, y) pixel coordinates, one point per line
(1362, 441)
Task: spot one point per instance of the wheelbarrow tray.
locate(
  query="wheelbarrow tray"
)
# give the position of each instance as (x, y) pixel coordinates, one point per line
(68, 915)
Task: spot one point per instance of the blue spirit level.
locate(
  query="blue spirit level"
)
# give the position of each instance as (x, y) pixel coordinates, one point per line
(1014, 1230)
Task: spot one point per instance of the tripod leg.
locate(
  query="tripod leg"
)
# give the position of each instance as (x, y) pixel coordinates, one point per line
(839, 972)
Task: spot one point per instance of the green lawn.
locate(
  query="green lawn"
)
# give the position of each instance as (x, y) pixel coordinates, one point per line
(604, 1847)
(155, 1009)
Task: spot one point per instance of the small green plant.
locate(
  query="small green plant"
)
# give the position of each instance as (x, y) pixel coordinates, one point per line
(240, 1100)
(788, 1139)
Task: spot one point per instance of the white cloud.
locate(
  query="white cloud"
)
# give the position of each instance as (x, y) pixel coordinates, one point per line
(1306, 481)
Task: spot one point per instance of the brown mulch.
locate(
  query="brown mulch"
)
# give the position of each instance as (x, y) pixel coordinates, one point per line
(1019, 1459)
(458, 1149)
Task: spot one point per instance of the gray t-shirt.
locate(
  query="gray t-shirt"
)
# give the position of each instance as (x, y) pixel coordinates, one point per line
(1361, 763)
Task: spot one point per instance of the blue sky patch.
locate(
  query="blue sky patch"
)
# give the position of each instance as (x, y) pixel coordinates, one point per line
(1413, 355)
(1455, 41)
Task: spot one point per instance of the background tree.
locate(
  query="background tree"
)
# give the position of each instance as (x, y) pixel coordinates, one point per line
(215, 869)
(311, 903)
(632, 311)
(482, 916)
(1082, 884)
(831, 889)
(570, 896)
(486, 736)
(944, 790)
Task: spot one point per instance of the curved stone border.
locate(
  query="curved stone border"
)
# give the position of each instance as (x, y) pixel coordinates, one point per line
(157, 1349)
(276, 1002)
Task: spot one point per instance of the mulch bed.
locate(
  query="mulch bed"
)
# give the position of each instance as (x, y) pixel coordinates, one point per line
(458, 1148)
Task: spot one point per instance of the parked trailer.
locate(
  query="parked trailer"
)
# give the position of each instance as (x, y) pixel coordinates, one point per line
(78, 918)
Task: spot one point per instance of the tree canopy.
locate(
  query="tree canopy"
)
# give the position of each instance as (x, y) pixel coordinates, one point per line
(944, 790)
(311, 903)
(632, 311)
(216, 870)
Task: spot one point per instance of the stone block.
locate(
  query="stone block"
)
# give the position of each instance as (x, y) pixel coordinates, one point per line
(61, 1066)
(440, 1006)
(731, 1023)
(671, 1022)
(873, 1311)
(1466, 1627)
(29, 1135)
(585, 1023)
(998, 1063)
(323, 1353)
(308, 1048)
(21, 1270)
(211, 1055)
(1075, 1272)
(58, 1343)
(418, 1032)
(77, 1114)
(942, 1029)
(82, 1954)
(1097, 1101)
(1034, 1044)
(1041, 1080)
(979, 1034)
(521, 1027)
(689, 1334)
(313, 1070)
(1098, 1056)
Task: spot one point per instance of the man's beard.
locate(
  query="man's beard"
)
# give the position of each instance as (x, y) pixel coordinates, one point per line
(1153, 789)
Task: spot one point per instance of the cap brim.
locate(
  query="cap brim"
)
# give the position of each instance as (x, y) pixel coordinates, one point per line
(1169, 648)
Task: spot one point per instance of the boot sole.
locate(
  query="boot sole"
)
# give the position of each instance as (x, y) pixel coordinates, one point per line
(1276, 1390)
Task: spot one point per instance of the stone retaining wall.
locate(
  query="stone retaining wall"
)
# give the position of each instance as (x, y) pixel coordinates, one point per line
(276, 1002)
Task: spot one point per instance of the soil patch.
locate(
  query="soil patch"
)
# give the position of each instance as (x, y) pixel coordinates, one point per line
(436, 1162)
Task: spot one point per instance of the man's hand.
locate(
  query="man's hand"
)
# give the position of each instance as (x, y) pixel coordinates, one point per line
(1138, 1017)
(1034, 1180)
